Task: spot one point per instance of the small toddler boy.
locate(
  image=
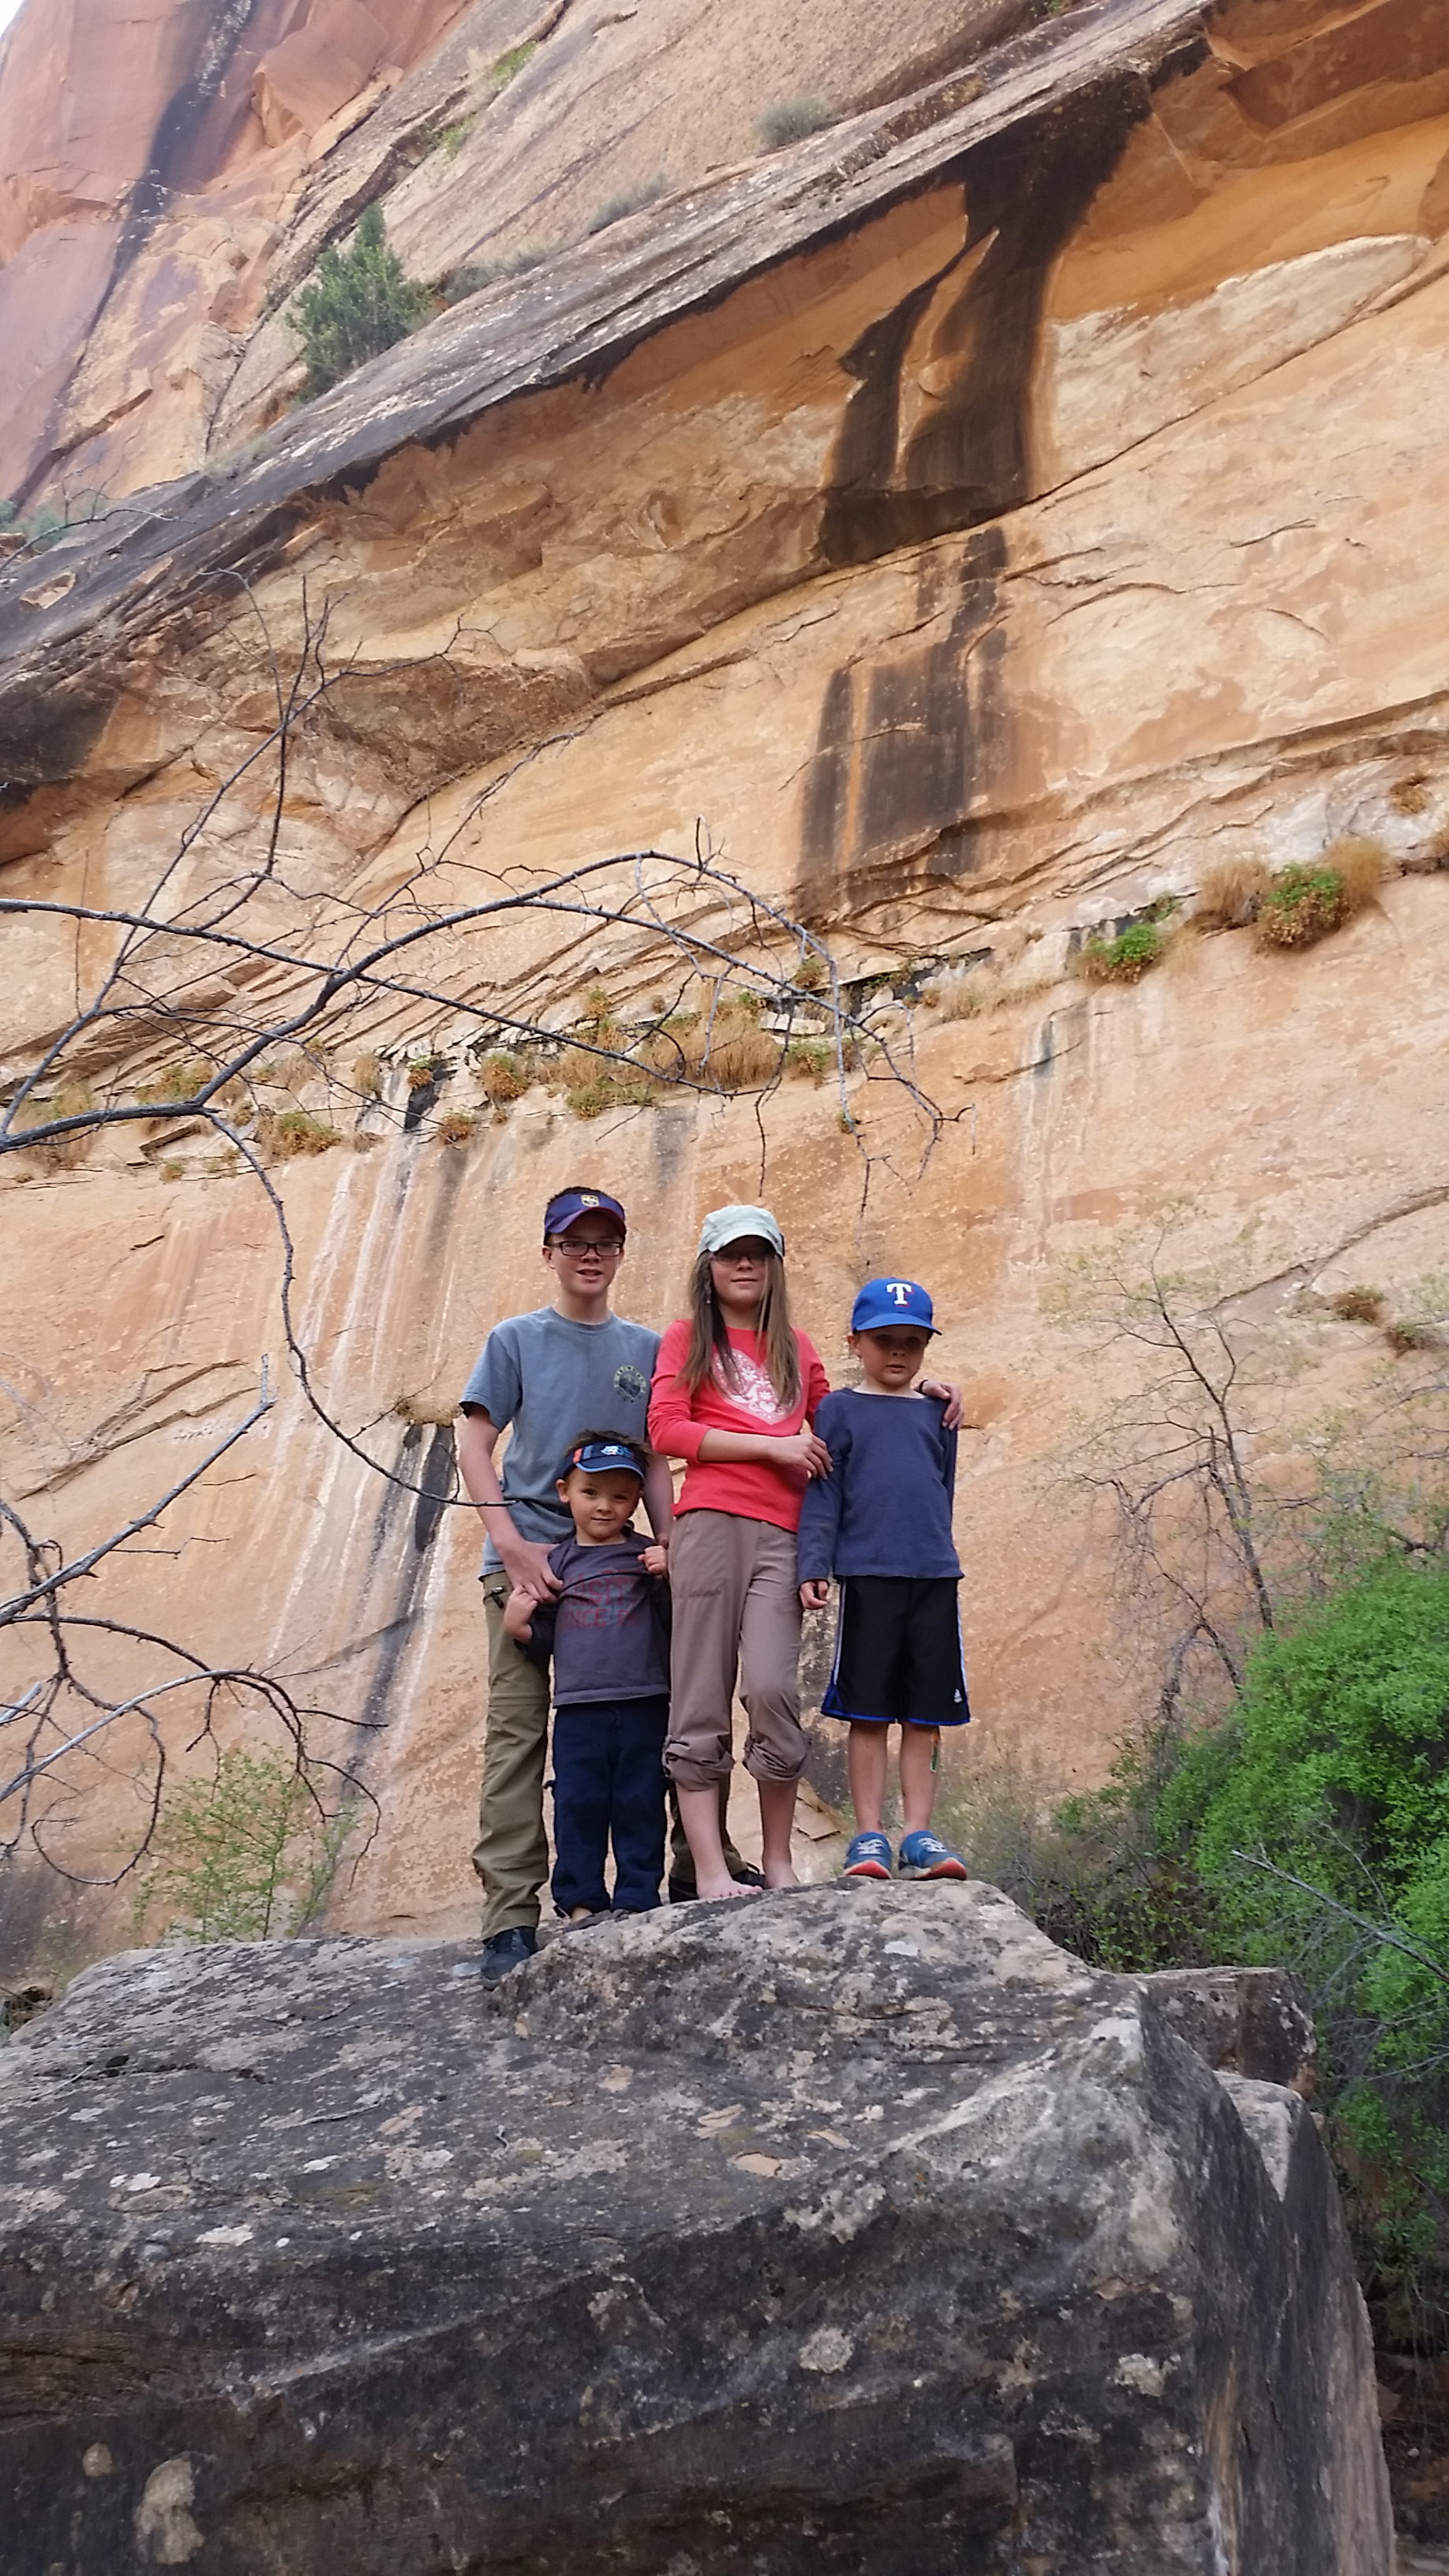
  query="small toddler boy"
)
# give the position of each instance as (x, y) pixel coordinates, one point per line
(881, 1522)
(608, 1633)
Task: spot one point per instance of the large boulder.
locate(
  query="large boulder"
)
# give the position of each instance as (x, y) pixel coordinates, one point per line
(853, 2230)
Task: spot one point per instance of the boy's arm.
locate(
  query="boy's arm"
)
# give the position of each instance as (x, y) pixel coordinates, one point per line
(525, 1560)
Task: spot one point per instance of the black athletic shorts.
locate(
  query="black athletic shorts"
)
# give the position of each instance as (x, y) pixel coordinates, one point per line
(898, 1653)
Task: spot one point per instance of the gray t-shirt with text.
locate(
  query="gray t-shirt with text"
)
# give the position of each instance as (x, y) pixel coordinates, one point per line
(548, 1379)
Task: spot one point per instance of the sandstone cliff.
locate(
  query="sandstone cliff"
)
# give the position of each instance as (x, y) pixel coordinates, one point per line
(989, 514)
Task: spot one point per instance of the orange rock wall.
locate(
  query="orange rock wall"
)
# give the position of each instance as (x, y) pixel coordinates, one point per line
(1193, 366)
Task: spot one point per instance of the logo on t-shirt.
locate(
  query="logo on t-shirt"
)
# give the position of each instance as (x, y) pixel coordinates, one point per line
(631, 1381)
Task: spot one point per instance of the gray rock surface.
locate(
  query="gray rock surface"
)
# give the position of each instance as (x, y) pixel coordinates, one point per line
(860, 2230)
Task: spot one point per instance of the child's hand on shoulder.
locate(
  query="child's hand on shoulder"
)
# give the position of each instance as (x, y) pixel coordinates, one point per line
(815, 1595)
(655, 1559)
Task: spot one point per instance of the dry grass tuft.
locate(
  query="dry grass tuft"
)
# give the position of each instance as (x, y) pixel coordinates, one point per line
(64, 1153)
(1230, 894)
(1411, 796)
(178, 1082)
(1358, 1305)
(503, 1077)
(730, 1052)
(367, 1076)
(430, 1409)
(282, 1136)
(808, 1060)
(1361, 865)
(456, 1128)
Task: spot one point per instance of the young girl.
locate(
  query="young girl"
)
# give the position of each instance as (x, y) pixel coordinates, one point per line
(735, 1389)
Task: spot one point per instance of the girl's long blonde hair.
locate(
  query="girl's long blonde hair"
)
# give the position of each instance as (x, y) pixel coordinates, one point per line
(709, 1353)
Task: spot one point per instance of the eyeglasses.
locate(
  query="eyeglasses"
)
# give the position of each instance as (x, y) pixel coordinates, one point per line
(612, 1250)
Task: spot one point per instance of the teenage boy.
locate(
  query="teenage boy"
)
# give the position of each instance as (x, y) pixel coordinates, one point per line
(881, 1522)
(607, 1630)
(542, 1377)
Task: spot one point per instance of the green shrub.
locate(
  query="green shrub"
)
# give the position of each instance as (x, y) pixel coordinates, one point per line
(1125, 959)
(1300, 905)
(508, 66)
(243, 1856)
(356, 304)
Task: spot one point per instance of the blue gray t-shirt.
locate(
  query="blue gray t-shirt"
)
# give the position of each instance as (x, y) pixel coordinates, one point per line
(548, 1379)
(885, 1507)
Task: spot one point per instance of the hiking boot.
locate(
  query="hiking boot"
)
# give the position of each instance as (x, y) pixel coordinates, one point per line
(505, 1951)
(869, 1856)
(924, 1855)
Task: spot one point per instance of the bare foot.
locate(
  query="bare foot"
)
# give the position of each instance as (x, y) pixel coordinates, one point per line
(780, 1874)
(714, 1891)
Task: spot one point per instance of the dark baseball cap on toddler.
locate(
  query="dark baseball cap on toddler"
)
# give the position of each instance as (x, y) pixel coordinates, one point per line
(598, 1457)
(882, 1302)
(565, 1205)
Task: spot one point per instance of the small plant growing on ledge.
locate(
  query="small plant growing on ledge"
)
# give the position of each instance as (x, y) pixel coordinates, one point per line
(789, 120)
(1123, 960)
(292, 1133)
(356, 304)
(628, 202)
(1358, 1305)
(456, 1128)
(1301, 904)
(503, 1077)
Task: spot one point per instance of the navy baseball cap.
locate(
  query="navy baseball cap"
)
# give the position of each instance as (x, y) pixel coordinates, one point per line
(891, 1301)
(597, 1457)
(565, 1205)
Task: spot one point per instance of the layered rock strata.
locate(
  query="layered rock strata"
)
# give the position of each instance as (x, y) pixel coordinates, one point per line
(979, 522)
(842, 2230)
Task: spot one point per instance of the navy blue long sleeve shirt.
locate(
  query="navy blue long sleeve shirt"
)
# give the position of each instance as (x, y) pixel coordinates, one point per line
(885, 1507)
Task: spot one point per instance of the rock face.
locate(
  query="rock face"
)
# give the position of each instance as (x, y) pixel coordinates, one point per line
(986, 516)
(845, 2231)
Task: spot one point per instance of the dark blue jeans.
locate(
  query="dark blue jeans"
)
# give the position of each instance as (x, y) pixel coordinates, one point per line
(608, 1779)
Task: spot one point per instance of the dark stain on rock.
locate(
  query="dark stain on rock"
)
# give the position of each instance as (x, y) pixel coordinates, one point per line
(904, 747)
(1026, 193)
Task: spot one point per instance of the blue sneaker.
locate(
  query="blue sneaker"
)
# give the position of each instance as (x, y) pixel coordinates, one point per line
(924, 1855)
(869, 1856)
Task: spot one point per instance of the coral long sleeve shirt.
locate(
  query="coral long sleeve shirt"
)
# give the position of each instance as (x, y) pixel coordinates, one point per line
(678, 1422)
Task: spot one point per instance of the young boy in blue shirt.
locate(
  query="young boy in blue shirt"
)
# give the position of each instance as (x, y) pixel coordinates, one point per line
(881, 1522)
(607, 1630)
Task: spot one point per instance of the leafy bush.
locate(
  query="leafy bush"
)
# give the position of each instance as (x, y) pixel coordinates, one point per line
(243, 1856)
(789, 120)
(356, 304)
(1125, 959)
(1299, 905)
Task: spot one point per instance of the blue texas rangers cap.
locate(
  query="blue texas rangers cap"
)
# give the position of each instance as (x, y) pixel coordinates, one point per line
(891, 1301)
(565, 1205)
(597, 1457)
